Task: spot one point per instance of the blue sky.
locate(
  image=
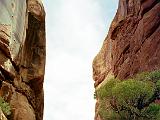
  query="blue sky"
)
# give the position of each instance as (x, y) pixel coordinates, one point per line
(75, 32)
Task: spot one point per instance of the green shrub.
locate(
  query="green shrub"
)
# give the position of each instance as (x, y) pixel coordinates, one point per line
(131, 99)
(105, 90)
(148, 76)
(5, 107)
(130, 91)
(153, 109)
(152, 112)
(158, 85)
(106, 113)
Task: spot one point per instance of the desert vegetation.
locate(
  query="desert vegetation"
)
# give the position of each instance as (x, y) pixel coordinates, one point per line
(136, 98)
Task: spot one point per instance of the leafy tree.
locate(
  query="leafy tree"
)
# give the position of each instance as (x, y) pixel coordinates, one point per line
(131, 99)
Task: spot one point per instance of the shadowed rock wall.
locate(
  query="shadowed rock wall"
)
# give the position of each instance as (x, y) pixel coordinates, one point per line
(22, 57)
(132, 44)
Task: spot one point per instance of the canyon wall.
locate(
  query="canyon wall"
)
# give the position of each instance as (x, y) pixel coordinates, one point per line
(22, 57)
(132, 44)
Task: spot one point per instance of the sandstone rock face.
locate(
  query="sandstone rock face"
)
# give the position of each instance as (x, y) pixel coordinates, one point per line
(132, 44)
(2, 116)
(22, 57)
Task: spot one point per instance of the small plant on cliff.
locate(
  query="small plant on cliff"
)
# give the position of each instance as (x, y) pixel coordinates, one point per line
(5, 107)
(132, 99)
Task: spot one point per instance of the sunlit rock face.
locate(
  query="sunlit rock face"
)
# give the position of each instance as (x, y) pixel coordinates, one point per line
(132, 44)
(2, 116)
(22, 57)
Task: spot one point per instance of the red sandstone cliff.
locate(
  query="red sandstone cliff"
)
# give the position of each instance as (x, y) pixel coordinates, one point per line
(22, 57)
(132, 44)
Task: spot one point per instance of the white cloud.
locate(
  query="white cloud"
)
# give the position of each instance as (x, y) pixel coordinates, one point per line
(75, 31)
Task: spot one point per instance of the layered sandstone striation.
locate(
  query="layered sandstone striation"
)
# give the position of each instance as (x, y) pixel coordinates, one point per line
(22, 57)
(132, 44)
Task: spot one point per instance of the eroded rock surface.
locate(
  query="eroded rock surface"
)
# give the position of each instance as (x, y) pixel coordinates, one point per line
(2, 116)
(22, 57)
(132, 44)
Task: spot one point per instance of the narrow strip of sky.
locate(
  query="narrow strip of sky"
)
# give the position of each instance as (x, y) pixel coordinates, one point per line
(75, 32)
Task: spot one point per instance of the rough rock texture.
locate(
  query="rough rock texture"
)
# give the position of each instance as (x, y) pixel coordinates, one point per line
(132, 44)
(2, 116)
(22, 57)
